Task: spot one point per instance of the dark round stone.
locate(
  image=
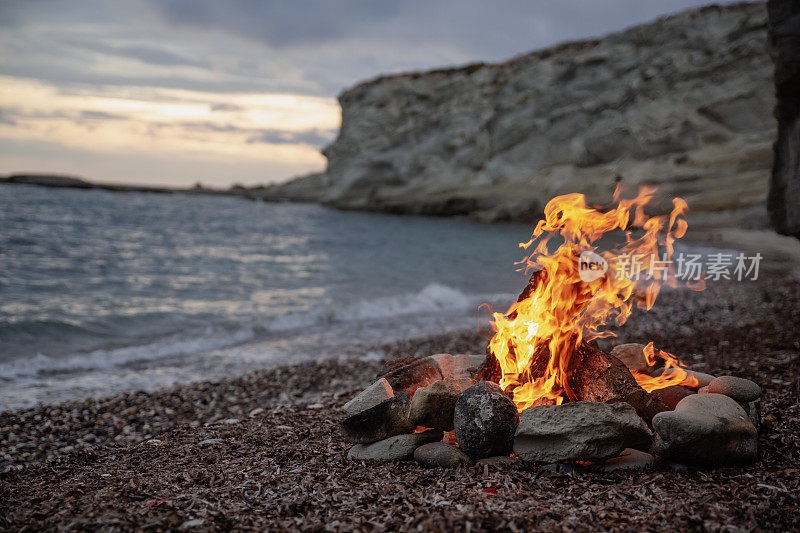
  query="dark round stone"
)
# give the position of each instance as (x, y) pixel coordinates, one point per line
(485, 421)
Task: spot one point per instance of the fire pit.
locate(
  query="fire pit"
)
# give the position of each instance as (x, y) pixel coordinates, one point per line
(546, 392)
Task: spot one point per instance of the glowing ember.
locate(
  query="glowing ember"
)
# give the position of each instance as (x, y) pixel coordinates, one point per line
(571, 297)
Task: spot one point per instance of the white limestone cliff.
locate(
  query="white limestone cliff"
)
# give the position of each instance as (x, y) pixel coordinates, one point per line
(684, 103)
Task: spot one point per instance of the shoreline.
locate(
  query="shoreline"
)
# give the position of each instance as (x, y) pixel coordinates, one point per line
(677, 324)
(781, 261)
(107, 412)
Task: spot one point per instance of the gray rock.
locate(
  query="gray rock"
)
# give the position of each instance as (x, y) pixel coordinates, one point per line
(485, 421)
(583, 431)
(710, 429)
(394, 448)
(632, 354)
(740, 389)
(386, 419)
(434, 406)
(370, 397)
(441, 455)
(629, 459)
(498, 460)
(458, 366)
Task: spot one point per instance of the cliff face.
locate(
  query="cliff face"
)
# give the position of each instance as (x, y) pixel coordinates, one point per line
(784, 194)
(684, 103)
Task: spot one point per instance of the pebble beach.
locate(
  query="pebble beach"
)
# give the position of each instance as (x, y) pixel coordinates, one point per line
(262, 450)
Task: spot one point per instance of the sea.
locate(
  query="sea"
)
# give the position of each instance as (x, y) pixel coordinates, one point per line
(104, 292)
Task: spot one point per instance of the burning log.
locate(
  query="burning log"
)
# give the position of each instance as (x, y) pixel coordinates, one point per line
(596, 376)
(540, 350)
(593, 376)
(490, 370)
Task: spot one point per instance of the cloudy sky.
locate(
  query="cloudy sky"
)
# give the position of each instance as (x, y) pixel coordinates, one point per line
(173, 92)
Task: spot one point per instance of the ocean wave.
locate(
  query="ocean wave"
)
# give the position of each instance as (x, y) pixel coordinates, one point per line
(172, 346)
(433, 300)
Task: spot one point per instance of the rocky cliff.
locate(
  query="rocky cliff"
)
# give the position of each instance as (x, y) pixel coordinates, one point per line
(784, 194)
(684, 103)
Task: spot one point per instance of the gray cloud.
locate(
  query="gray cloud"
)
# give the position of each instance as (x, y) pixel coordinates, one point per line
(9, 115)
(316, 47)
(101, 115)
(145, 53)
(312, 137)
(7, 118)
(224, 107)
(479, 29)
(277, 22)
(97, 47)
(16, 115)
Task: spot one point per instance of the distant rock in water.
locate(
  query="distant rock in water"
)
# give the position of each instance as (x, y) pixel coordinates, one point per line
(72, 182)
(684, 103)
(47, 180)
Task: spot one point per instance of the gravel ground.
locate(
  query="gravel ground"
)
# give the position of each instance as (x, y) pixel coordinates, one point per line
(262, 451)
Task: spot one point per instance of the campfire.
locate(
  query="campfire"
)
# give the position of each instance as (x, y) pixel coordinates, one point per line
(542, 344)
(545, 391)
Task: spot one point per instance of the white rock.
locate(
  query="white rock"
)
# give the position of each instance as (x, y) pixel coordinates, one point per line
(369, 397)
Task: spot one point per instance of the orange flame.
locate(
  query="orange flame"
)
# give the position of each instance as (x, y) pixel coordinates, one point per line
(674, 373)
(560, 310)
